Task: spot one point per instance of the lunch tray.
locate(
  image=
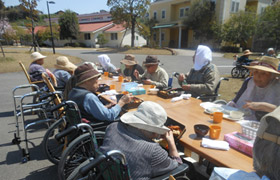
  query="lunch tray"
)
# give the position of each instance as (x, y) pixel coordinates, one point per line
(171, 122)
(103, 88)
(135, 102)
(113, 74)
(168, 94)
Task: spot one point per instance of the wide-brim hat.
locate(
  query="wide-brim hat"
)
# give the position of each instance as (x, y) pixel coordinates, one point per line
(246, 52)
(266, 63)
(85, 72)
(63, 63)
(151, 60)
(129, 59)
(36, 56)
(149, 116)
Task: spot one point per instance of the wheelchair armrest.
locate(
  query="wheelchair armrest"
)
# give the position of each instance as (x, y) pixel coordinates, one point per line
(182, 168)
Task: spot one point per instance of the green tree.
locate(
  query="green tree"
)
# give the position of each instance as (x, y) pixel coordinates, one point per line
(146, 28)
(200, 17)
(69, 26)
(239, 28)
(101, 39)
(268, 26)
(127, 12)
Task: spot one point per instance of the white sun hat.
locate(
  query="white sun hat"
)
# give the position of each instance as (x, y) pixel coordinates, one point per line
(149, 116)
(36, 56)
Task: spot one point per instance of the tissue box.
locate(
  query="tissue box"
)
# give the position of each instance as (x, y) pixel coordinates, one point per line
(127, 86)
(240, 142)
(137, 91)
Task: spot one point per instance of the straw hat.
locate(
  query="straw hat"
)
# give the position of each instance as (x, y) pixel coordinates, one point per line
(63, 63)
(246, 52)
(129, 59)
(85, 72)
(36, 56)
(151, 60)
(149, 116)
(266, 63)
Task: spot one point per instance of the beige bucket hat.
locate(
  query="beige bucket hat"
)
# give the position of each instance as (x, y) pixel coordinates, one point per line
(36, 56)
(129, 59)
(62, 62)
(149, 116)
(246, 52)
(266, 63)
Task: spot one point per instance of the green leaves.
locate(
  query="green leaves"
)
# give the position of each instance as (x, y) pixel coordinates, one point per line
(69, 26)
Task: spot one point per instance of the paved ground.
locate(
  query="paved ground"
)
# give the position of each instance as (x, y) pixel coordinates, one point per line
(38, 167)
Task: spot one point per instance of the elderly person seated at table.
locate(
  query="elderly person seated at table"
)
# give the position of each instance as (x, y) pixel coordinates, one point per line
(134, 137)
(153, 74)
(84, 94)
(203, 77)
(130, 66)
(64, 70)
(259, 94)
(106, 64)
(266, 153)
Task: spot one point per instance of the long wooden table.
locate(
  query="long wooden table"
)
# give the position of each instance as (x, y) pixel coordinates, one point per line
(189, 113)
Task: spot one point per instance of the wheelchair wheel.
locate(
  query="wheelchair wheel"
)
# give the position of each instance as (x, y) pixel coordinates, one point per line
(76, 153)
(53, 148)
(245, 72)
(235, 72)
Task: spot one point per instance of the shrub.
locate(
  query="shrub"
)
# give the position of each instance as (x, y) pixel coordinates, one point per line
(230, 49)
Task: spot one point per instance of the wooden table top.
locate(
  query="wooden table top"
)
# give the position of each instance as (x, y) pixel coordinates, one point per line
(189, 113)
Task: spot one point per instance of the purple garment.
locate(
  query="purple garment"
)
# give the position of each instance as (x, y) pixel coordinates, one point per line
(35, 72)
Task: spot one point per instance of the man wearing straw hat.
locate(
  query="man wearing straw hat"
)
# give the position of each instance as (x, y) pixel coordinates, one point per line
(64, 70)
(84, 94)
(244, 58)
(259, 94)
(153, 74)
(134, 136)
(130, 66)
(36, 69)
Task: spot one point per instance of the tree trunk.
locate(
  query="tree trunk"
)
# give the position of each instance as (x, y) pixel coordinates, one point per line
(133, 31)
(123, 36)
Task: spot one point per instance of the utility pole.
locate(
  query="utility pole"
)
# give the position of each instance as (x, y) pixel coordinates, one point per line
(51, 2)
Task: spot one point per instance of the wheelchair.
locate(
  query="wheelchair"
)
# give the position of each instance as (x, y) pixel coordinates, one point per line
(240, 71)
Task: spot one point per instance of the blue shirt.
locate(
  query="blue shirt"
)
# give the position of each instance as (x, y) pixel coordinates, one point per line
(35, 72)
(61, 76)
(94, 106)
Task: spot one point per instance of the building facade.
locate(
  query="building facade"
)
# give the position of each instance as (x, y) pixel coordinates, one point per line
(170, 30)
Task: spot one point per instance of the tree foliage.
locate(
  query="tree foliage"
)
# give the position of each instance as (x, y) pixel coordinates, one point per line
(127, 12)
(200, 18)
(268, 25)
(101, 39)
(239, 28)
(146, 28)
(69, 26)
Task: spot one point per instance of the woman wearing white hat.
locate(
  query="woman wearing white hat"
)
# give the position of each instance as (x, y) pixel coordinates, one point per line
(36, 69)
(64, 70)
(133, 136)
(259, 94)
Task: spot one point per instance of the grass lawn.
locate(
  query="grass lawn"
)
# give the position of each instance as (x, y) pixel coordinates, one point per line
(10, 63)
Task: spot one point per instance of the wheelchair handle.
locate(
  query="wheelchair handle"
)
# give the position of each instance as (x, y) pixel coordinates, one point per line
(84, 170)
(226, 79)
(65, 132)
(49, 95)
(58, 106)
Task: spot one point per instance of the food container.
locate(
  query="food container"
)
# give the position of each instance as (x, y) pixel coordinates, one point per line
(135, 102)
(175, 126)
(168, 94)
(103, 88)
(153, 91)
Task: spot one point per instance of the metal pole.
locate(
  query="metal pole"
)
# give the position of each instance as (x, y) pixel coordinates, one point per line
(50, 27)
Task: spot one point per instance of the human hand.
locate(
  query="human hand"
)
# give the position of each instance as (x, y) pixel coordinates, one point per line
(260, 106)
(147, 81)
(125, 99)
(181, 77)
(168, 136)
(186, 87)
(136, 74)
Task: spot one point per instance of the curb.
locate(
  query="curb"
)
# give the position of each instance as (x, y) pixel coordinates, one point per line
(174, 53)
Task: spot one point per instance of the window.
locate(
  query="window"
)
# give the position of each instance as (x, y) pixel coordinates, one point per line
(234, 6)
(136, 38)
(155, 15)
(114, 36)
(163, 14)
(181, 12)
(155, 36)
(87, 36)
(187, 9)
(162, 36)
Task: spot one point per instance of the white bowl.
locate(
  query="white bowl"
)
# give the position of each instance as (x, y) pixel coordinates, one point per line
(153, 91)
(236, 114)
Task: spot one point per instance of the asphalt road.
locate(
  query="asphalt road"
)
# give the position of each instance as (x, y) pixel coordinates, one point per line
(38, 167)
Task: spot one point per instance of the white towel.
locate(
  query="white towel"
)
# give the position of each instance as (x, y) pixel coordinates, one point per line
(183, 96)
(109, 92)
(215, 144)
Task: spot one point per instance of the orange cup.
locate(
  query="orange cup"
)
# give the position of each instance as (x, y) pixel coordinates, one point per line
(217, 117)
(120, 78)
(125, 92)
(215, 131)
(106, 73)
(153, 86)
(112, 86)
